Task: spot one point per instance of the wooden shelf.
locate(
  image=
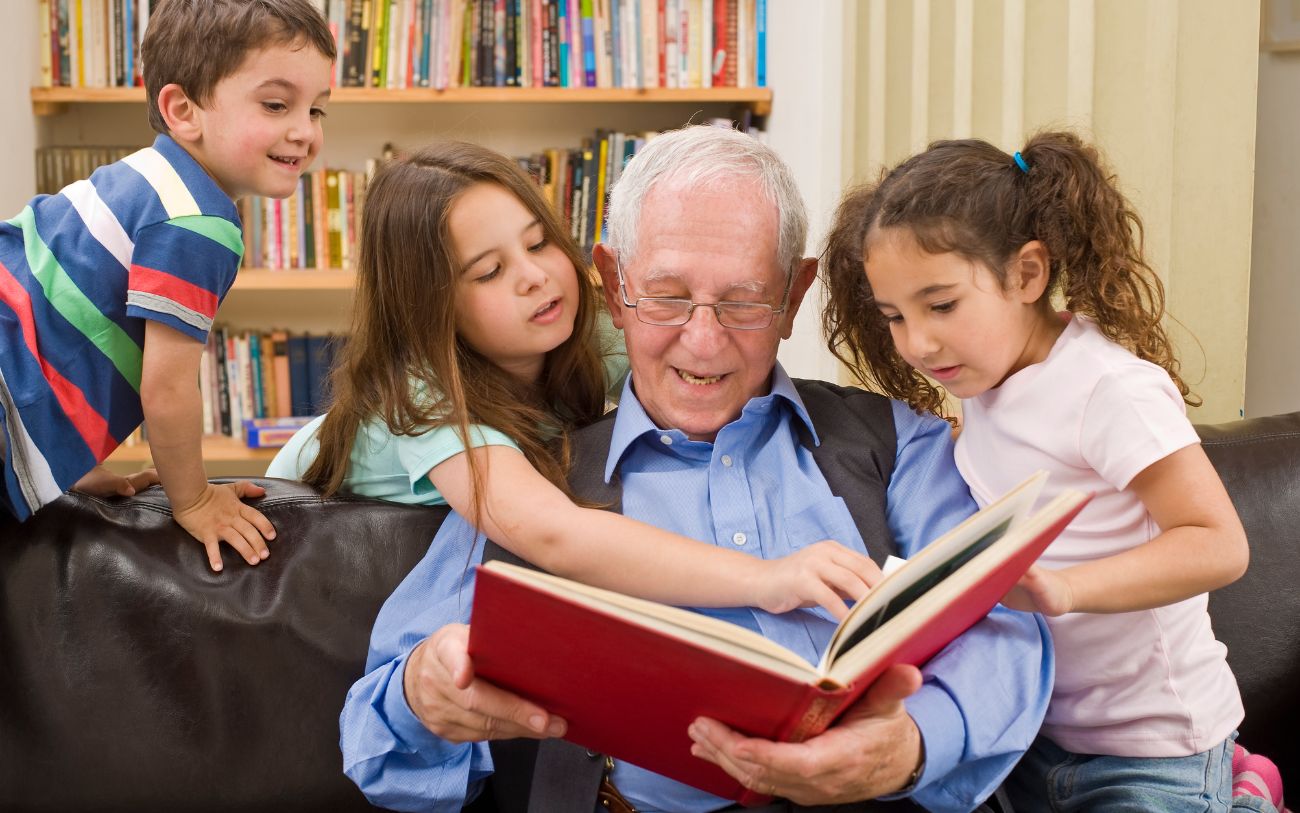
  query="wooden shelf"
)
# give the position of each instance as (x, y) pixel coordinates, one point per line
(290, 280)
(54, 100)
(216, 449)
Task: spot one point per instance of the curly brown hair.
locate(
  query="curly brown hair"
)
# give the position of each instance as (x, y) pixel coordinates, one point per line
(404, 327)
(971, 198)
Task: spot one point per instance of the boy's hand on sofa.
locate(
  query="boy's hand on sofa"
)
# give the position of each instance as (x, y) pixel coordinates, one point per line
(100, 482)
(219, 515)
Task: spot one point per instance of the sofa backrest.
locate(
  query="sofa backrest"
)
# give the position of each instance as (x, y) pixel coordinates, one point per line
(134, 678)
(1258, 616)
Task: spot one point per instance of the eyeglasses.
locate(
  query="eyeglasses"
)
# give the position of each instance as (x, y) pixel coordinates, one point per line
(670, 312)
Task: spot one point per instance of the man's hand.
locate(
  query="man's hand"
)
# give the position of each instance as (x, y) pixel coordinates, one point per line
(444, 694)
(1041, 590)
(100, 482)
(219, 515)
(822, 574)
(870, 752)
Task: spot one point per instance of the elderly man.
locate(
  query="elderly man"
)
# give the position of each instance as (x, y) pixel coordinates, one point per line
(704, 273)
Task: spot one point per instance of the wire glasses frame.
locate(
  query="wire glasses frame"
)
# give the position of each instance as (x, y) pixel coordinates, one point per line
(671, 312)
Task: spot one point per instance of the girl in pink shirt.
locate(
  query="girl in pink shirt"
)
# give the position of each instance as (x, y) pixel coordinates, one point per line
(963, 248)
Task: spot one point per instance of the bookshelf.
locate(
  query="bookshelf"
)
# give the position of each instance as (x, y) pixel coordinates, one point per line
(50, 101)
(315, 299)
(363, 120)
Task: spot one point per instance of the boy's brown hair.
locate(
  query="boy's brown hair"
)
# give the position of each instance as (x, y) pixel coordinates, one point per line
(197, 43)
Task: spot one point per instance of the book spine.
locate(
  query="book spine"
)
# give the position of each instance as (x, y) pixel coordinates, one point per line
(223, 383)
(588, 46)
(299, 385)
(760, 47)
(47, 45)
(267, 360)
(729, 69)
(280, 365)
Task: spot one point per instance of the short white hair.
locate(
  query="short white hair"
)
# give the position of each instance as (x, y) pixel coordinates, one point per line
(700, 157)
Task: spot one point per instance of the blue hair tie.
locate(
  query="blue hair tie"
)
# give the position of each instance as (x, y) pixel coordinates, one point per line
(1020, 162)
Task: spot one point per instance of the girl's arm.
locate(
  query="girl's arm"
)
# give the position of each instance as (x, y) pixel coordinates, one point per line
(526, 514)
(1202, 548)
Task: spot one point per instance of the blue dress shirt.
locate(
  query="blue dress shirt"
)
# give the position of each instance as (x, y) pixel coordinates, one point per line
(757, 490)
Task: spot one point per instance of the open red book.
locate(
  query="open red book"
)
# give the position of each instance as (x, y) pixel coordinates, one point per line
(630, 675)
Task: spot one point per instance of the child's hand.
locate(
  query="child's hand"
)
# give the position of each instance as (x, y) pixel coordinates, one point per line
(822, 574)
(218, 516)
(1041, 590)
(100, 482)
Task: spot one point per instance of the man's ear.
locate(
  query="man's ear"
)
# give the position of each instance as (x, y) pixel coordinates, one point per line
(180, 114)
(603, 257)
(805, 273)
(1031, 269)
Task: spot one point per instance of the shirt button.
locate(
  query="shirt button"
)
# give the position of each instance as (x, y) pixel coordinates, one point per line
(726, 460)
(665, 440)
(738, 538)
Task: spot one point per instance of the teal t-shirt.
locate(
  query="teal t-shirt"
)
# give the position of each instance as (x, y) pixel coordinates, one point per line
(395, 467)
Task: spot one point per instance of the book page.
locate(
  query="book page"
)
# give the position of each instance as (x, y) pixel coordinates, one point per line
(707, 632)
(1033, 533)
(932, 564)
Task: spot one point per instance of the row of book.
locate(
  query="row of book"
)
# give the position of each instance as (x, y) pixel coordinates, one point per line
(461, 43)
(264, 374)
(317, 226)
(92, 43)
(551, 43)
(260, 387)
(56, 167)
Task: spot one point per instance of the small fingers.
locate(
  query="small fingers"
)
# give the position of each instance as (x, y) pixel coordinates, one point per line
(260, 522)
(828, 598)
(238, 540)
(244, 488)
(144, 478)
(213, 548)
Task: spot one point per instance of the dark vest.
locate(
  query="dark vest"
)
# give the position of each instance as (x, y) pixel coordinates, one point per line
(856, 456)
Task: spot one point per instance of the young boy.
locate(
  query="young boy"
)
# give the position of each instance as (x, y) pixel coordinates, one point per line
(108, 289)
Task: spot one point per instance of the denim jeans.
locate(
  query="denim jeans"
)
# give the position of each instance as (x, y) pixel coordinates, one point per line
(1050, 779)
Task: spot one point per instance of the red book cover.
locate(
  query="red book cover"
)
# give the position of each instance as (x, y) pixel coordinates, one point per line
(630, 675)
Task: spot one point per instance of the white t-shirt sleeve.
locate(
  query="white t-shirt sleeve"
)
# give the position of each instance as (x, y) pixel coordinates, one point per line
(1134, 418)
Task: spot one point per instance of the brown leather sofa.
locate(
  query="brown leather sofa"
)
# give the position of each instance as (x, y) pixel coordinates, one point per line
(134, 679)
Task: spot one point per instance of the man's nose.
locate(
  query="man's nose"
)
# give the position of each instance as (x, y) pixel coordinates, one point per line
(702, 331)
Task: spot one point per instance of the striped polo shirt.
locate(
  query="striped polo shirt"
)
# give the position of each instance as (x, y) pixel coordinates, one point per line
(149, 237)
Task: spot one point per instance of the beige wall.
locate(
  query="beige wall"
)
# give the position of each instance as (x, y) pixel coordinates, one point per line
(1272, 372)
(1166, 88)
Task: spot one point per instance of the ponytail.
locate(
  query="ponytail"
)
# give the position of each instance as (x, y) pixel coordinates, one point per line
(971, 198)
(1095, 240)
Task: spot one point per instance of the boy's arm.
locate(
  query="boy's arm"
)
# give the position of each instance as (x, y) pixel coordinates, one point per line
(173, 412)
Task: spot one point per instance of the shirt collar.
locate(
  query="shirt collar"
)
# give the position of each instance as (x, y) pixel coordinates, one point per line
(631, 421)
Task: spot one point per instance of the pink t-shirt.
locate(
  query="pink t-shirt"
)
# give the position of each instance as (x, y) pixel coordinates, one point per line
(1153, 683)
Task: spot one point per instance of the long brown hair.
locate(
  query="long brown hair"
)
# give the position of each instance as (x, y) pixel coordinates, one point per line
(973, 199)
(404, 327)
